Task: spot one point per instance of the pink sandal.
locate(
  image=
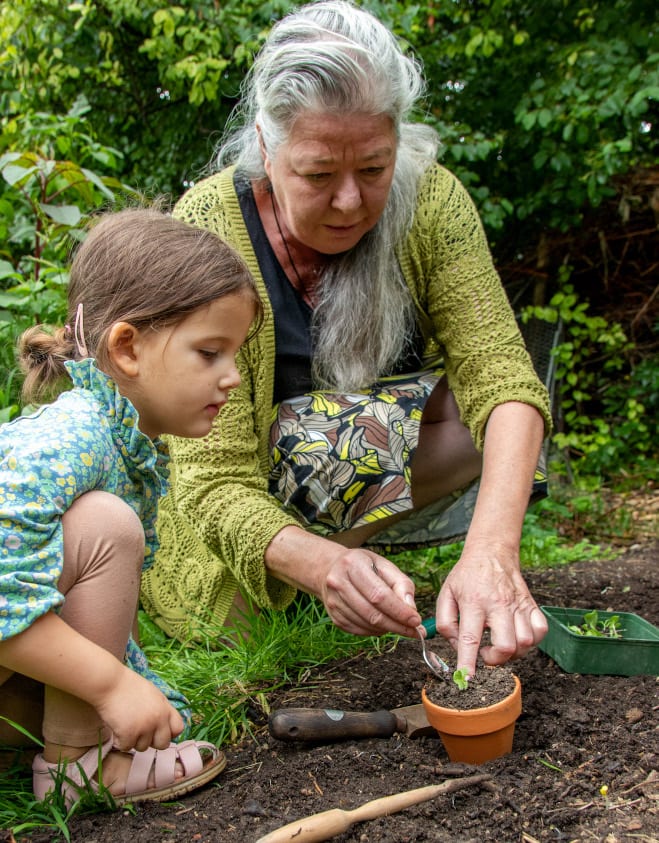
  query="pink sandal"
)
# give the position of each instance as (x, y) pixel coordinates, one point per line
(75, 778)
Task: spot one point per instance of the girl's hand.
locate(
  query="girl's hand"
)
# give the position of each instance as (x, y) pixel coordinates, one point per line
(139, 715)
(52, 652)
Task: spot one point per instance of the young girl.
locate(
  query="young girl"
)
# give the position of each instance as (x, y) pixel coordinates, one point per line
(157, 311)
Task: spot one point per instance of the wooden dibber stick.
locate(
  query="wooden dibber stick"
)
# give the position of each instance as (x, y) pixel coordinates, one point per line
(324, 826)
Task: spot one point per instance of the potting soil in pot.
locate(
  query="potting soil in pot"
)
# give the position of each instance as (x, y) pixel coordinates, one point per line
(489, 685)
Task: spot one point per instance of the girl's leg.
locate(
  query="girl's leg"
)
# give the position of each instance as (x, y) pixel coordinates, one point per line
(103, 557)
(21, 701)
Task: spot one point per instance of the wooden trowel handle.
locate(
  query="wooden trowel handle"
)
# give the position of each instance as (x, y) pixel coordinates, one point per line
(315, 724)
(327, 824)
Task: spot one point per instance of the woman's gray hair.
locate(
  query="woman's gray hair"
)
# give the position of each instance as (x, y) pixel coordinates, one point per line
(333, 56)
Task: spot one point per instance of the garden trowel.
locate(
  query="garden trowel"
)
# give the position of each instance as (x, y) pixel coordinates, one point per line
(316, 724)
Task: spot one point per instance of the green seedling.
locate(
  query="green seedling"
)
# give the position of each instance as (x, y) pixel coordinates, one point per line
(461, 678)
(593, 627)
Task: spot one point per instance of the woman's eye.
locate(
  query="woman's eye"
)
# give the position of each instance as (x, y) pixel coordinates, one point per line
(207, 354)
(373, 171)
(315, 177)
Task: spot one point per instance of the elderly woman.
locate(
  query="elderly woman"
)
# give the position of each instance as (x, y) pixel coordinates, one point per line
(389, 398)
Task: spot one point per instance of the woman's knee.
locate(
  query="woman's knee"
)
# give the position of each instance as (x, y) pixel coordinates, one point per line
(441, 405)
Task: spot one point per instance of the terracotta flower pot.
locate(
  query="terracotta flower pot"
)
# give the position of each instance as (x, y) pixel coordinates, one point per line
(476, 735)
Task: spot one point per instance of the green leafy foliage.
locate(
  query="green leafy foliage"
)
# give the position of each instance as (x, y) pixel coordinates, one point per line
(160, 78)
(539, 105)
(595, 370)
(49, 184)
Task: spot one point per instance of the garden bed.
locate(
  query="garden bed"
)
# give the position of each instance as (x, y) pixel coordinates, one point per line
(583, 765)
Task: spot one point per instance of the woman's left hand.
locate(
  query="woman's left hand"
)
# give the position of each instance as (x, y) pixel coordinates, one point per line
(485, 590)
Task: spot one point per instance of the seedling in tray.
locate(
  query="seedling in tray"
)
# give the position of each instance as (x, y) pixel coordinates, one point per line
(593, 627)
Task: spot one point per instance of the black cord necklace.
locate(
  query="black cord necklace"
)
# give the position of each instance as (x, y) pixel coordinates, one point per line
(283, 240)
(304, 291)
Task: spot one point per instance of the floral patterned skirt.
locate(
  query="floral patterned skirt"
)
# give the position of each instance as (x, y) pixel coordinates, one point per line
(340, 461)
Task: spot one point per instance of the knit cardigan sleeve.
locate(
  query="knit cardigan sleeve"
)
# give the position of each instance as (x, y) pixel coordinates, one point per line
(465, 312)
(217, 520)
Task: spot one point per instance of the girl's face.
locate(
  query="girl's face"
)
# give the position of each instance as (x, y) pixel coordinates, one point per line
(332, 177)
(182, 375)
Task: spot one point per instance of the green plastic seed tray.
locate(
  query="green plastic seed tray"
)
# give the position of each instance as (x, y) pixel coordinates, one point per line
(636, 652)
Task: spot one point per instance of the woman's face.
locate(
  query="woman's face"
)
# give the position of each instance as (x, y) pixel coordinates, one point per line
(332, 177)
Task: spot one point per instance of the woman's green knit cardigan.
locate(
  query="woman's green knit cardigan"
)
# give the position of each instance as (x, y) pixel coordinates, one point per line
(218, 518)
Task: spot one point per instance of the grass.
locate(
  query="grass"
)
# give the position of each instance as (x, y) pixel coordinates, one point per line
(226, 685)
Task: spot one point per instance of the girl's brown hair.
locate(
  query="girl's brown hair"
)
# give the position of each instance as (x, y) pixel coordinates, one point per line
(139, 266)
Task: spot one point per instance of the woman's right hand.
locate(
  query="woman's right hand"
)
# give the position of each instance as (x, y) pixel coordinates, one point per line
(139, 715)
(366, 594)
(363, 593)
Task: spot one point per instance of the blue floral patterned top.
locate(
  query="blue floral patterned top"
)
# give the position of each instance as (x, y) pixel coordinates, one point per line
(87, 439)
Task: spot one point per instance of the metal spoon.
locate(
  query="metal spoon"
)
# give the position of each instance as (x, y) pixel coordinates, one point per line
(437, 665)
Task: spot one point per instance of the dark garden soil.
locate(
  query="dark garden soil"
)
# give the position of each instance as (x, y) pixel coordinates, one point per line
(583, 766)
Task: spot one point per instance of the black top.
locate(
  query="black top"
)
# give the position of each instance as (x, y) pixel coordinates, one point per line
(292, 315)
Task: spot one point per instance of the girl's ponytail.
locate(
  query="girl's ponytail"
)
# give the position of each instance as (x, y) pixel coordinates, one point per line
(41, 356)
